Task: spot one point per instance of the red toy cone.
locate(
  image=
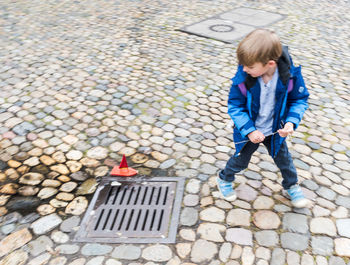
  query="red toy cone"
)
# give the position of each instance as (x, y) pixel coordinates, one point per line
(123, 170)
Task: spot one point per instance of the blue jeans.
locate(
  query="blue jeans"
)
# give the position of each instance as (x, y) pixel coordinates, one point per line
(283, 160)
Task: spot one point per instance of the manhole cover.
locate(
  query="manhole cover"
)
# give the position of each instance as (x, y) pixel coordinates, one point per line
(221, 28)
(133, 210)
(233, 24)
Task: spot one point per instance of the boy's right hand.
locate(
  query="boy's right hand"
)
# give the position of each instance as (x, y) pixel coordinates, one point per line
(256, 137)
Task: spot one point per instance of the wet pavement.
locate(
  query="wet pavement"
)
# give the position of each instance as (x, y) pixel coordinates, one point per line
(84, 82)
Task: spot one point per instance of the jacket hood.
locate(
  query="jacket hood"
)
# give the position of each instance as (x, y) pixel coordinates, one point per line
(284, 65)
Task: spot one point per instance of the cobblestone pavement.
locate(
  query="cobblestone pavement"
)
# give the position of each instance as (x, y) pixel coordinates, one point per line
(83, 82)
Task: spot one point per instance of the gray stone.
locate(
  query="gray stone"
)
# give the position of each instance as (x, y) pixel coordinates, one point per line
(58, 261)
(70, 224)
(211, 232)
(167, 164)
(193, 186)
(189, 216)
(266, 238)
(246, 193)
(311, 185)
(212, 214)
(293, 258)
(278, 257)
(295, 223)
(128, 252)
(342, 246)
(343, 201)
(333, 260)
(208, 169)
(252, 175)
(322, 225)
(203, 251)
(191, 200)
(263, 202)
(281, 208)
(326, 193)
(95, 249)
(96, 261)
(343, 226)
(157, 253)
(307, 259)
(7, 229)
(320, 211)
(239, 236)
(18, 257)
(46, 224)
(294, 241)
(238, 217)
(67, 249)
(39, 245)
(225, 251)
(40, 260)
(322, 245)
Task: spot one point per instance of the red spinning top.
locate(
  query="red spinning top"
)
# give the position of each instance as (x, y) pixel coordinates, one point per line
(123, 170)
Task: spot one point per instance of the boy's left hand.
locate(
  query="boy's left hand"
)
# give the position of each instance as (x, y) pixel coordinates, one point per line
(287, 130)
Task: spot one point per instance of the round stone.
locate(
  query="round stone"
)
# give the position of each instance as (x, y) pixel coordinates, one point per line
(31, 178)
(211, 232)
(267, 238)
(263, 202)
(59, 237)
(322, 225)
(203, 251)
(212, 214)
(238, 217)
(68, 186)
(64, 196)
(322, 245)
(95, 249)
(126, 252)
(77, 206)
(97, 153)
(157, 253)
(46, 193)
(239, 236)
(45, 209)
(9, 188)
(342, 246)
(51, 183)
(343, 226)
(294, 241)
(89, 186)
(265, 219)
(58, 204)
(189, 216)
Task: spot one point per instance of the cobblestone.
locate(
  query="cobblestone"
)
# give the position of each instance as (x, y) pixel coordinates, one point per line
(86, 82)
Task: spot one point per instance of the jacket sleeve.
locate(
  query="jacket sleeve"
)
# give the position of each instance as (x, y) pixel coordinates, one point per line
(297, 99)
(237, 109)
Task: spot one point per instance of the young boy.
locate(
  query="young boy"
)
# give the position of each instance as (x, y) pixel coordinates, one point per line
(266, 102)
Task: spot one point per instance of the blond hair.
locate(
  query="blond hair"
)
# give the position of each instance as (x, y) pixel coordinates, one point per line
(259, 46)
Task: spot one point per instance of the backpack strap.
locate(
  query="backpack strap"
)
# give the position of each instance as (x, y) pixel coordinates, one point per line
(290, 85)
(243, 88)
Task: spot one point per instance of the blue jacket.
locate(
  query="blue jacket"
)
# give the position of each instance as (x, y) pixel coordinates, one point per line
(289, 107)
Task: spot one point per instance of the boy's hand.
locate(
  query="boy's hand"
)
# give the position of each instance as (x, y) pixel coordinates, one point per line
(287, 130)
(256, 137)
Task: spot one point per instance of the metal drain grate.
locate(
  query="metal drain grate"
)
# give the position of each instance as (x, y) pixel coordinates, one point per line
(131, 210)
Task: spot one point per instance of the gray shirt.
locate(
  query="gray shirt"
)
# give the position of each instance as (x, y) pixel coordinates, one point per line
(264, 120)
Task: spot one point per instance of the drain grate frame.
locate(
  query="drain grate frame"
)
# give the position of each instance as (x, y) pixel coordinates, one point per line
(133, 210)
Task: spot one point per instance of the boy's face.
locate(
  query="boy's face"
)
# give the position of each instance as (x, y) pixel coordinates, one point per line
(259, 69)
